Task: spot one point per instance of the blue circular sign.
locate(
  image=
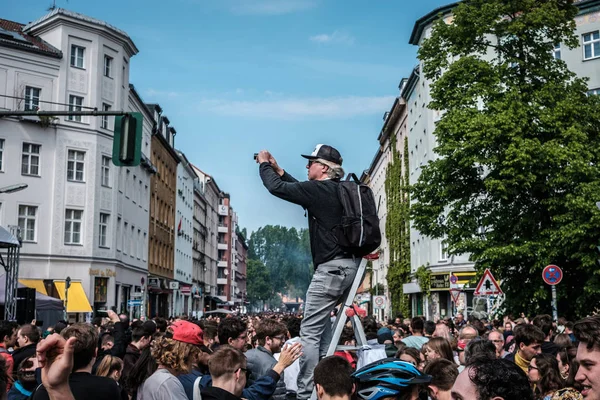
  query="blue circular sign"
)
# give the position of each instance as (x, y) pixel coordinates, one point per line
(552, 275)
(453, 279)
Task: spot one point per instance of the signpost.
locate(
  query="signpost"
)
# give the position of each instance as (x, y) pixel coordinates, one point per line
(132, 303)
(552, 275)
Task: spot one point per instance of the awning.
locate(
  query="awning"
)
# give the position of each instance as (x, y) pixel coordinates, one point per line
(215, 299)
(77, 301)
(37, 284)
(411, 287)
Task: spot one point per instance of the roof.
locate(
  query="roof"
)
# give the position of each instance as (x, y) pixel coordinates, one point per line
(12, 35)
(7, 239)
(82, 18)
(426, 20)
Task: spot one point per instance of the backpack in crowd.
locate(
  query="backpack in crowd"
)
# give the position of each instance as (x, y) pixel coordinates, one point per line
(359, 232)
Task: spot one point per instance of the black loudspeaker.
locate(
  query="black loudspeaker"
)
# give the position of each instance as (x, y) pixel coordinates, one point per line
(25, 305)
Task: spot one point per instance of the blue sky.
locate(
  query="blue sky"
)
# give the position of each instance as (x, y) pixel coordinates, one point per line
(238, 76)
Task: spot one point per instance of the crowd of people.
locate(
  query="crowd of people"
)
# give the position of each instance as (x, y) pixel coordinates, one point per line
(257, 358)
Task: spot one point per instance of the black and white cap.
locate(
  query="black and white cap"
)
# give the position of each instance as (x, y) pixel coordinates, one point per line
(326, 153)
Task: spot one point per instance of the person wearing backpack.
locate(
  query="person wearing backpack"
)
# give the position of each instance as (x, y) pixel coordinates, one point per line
(335, 217)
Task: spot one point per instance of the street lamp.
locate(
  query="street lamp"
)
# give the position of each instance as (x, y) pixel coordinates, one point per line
(67, 286)
(13, 188)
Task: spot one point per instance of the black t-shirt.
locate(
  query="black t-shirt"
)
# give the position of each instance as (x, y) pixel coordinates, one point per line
(320, 199)
(86, 386)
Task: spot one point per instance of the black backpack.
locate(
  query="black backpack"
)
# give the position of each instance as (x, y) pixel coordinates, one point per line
(359, 232)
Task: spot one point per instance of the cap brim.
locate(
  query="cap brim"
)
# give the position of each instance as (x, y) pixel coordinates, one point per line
(309, 157)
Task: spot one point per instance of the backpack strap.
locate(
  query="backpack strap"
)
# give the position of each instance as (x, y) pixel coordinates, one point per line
(353, 176)
(197, 394)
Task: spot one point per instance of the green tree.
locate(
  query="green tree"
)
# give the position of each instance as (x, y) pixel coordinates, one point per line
(258, 282)
(517, 178)
(286, 254)
(397, 225)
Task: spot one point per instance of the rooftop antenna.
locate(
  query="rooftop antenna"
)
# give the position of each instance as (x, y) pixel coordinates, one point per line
(53, 6)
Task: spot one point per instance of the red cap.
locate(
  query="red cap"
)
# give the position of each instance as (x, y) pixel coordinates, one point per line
(187, 332)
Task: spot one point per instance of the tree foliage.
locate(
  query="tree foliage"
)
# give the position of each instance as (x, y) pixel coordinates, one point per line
(285, 253)
(397, 225)
(259, 285)
(517, 177)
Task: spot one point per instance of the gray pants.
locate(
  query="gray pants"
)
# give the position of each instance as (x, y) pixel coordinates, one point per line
(331, 281)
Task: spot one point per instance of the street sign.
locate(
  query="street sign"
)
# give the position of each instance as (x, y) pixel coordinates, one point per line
(455, 293)
(487, 286)
(453, 279)
(379, 301)
(552, 275)
(136, 294)
(174, 285)
(134, 302)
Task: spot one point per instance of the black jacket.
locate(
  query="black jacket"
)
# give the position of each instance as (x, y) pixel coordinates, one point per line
(22, 354)
(320, 199)
(214, 393)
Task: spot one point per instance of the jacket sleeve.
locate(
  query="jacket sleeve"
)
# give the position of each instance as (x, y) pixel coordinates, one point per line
(285, 187)
(120, 346)
(263, 388)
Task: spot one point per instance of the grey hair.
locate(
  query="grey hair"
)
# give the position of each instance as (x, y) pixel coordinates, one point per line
(335, 171)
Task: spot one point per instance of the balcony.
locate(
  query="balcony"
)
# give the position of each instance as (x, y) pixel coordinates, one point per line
(222, 229)
(222, 263)
(221, 281)
(222, 246)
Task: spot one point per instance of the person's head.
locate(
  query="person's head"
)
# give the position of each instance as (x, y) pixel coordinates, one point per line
(429, 328)
(385, 336)
(161, 324)
(508, 326)
(389, 379)
(227, 366)
(409, 355)
(59, 326)
(347, 337)
(85, 345)
(293, 326)
(465, 335)
(210, 334)
(460, 318)
(149, 326)
(438, 347)
(110, 367)
(8, 333)
(124, 318)
(544, 374)
(544, 322)
(271, 335)
(479, 326)
(140, 338)
(28, 334)
(562, 340)
(233, 331)
(528, 340)
(443, 374)
(416, 325)
(442, 330)
(107, 342)
(26, 373)
(587, 332)
(498, 340)
(141, 370)
(479, 347)
(324, 162)
(174, 355)
(332, 377)
(491, 379)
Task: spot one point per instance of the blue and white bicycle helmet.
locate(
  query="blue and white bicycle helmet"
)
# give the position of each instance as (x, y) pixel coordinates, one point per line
(389, 377)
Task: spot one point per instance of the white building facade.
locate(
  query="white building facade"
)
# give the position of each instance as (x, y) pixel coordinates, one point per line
(75, 211)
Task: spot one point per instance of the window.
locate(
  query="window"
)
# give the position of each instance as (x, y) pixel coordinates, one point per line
(73, 226)
(118, 233)
(105, 173)
(591, 45)
(443, 250)
(593, 92)
(1, 154)
(108, 62)
(32, 98)
(125, 243)
(75, 164)
(103, 232)
(105, 107)
(139, 241)
(30, 159)
(144, 244)
(77, 54)
(132, 242)
(75, 103)
(127, 184)
(27, 222)
(556, 52)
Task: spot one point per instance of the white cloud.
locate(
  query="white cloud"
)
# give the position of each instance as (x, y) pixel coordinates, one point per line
(335, 38)
(295, 108)
(270, 7)
(161, 93)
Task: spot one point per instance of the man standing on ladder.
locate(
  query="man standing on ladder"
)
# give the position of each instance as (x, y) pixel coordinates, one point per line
(335, 269)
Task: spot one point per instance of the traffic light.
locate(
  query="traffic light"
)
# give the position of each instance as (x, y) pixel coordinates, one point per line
(127, 144)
